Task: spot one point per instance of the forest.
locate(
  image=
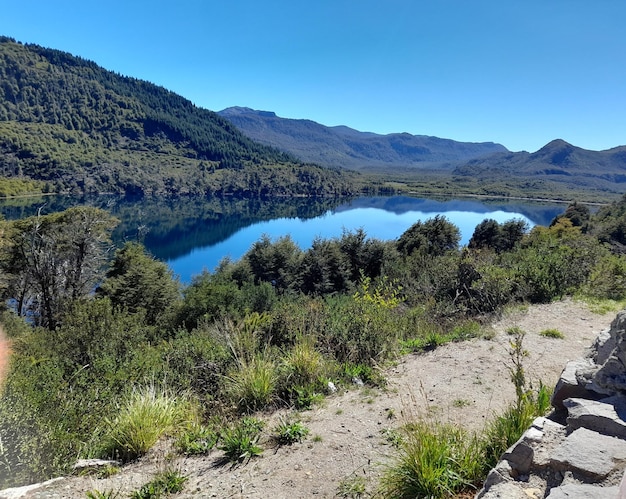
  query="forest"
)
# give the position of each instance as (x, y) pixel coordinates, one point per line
(68, 125)
(100, 337)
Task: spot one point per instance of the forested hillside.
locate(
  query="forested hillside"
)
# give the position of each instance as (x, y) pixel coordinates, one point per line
(558, 163)
(75, 126)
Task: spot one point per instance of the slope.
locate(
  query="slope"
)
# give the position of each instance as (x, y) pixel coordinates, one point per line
(349, 148)
(557, 163)
(78, 127)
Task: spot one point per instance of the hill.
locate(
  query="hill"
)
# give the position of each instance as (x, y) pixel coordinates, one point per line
(341, 146)
(557, 163)
(78, 127)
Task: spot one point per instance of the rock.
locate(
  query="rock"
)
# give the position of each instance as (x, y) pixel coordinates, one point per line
(520, 457)
(572, 384)
(93, 464)
(602, 347)
(583, 491)
(17, 492)
(589, 453)
(605, 416)
(506, 490)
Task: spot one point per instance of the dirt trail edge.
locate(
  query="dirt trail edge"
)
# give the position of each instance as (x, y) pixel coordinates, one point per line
(463, 383)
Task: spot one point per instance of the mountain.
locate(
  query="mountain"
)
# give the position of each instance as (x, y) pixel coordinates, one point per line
(341, 146)
(77, 127)
(558, 162)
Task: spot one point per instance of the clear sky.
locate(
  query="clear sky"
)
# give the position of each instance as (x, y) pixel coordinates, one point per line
(520, 73)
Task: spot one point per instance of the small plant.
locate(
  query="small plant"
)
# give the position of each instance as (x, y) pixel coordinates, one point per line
(352, 487)
(96, 494)
(306, 397)
(168, 482)
(288, 433)
(317, 438)
(239, 442)
(434, 461)
(148, 415)
(252, 383)
(196, 440)
(552, 333)
(460, 403)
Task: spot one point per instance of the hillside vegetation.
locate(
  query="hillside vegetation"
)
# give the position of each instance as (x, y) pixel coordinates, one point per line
(96, 374)
(74, 126)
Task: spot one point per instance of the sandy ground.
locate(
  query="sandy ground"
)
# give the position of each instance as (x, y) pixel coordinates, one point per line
(462, 383)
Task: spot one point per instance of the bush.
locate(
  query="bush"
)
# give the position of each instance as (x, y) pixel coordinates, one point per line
(239, 442)
(147, 415)
(251, 384)
(434, 461)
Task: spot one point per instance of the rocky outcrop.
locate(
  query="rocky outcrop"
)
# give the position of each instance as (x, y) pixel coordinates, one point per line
(580, 449)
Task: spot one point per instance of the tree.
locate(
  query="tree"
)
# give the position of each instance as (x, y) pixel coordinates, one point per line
(55, 259)
(136, 281)
(434, 237)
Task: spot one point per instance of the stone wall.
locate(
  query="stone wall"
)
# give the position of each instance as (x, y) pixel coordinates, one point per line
(579, 450)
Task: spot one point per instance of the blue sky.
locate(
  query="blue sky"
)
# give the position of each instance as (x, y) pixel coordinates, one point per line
(518, 73)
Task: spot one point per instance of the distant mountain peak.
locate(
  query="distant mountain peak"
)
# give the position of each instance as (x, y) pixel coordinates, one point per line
(342, 146)
(241, 110)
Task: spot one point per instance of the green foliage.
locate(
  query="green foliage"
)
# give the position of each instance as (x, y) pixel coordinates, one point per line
(240, 442)
(96, 494)
(147, 415)
(55, 259)
(196, 440)
(289, 432)
(251, 384)
(507, 428)
(434, 461)
(552, 333)
(137, 282)
(500, 238)
(119, 134)
(433, 237)
(165, 483)
(353, 487)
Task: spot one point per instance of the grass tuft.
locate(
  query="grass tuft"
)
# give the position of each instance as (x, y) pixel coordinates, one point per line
(148, 415)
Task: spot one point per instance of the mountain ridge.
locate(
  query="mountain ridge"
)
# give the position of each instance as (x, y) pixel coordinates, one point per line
(342, 146)
(78, 127)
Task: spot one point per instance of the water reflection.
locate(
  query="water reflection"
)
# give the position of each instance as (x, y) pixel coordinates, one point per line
(195, 234)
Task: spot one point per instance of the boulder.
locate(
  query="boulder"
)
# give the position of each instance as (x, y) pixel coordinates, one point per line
(604, 416)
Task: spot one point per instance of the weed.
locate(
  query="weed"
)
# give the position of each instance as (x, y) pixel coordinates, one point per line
(288, 433)
(239, 442)
(252, 383)
(306, 397)
(352, 487)
(393, 436)
(461, 403)
(552, 333)
(434, 461)
(96, 494)
(197, 439)
(147, 416)
(391, 413)
(168, 482)
(317, 438)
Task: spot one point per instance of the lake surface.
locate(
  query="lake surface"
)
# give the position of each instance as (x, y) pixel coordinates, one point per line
(195, 234)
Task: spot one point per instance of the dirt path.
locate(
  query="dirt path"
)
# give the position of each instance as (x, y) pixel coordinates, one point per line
(464, 383)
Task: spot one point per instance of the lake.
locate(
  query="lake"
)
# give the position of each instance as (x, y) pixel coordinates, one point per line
(193, 234)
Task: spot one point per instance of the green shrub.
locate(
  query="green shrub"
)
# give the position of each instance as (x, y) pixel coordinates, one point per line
(240, 442)
(197, 439)
(251, 384)
(434, 461)
(165, 483)
(552, 333)
(289, 432)
(147, 415)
